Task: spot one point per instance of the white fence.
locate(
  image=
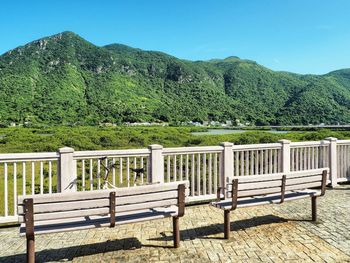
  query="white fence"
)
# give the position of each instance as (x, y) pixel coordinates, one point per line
(206, 167)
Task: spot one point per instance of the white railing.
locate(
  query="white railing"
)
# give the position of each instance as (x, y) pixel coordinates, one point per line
(200, 165)
(309, 155)
(206, 167)
(122, 164)
(343, 160)
(25, 173)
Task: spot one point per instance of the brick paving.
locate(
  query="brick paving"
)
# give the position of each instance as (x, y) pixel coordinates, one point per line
(271, 233)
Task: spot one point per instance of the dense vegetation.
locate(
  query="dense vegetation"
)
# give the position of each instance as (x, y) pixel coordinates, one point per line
(63, 79)
(98, 138)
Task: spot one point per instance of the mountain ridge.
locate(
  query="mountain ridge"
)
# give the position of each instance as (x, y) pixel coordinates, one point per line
(64, 79)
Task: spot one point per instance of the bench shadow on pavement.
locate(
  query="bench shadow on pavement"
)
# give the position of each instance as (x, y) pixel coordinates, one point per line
(204, 232)
(207, 232)
(69, 253)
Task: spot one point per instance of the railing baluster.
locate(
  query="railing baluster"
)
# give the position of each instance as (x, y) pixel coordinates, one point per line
(187, 172)
(204, 174)
(98, 174)
(41, 178)
(83, 174)
(252, 161)
(91, 178)
(242, 162)
(199, 174)
(215, 172)
(141, 166)
(292, 162)
(113, 171)
(168, 168)
(128, 170)
(237, 163)
(247, 163)
(256, 162)
(50, 177)
(24, 192)
(192, 175)
(15, 188)
(135, 166)
(120, 171)
(262, 162)
(181, 169)
(266, 162)
(33, 178)
(275, 164)
(270, 160)
(174, 168)
(210, 173)
(5, 190)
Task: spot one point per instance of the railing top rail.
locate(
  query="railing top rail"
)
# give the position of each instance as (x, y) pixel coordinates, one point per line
(308, 144)
(190, 150)
(264, 146)
(111, 153)
(343, 142)
(23, 157)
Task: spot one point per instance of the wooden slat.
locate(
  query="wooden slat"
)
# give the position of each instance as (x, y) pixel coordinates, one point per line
(255, 192)
(258, 178)
(67, 214)
(138, 190)
(303, 186)
(67, 206)
(258, 185)
(304, 179)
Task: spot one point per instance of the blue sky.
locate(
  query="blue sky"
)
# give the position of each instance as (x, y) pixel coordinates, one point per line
(302, 36)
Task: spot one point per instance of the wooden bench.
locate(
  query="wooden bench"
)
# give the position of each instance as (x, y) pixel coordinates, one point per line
(245, 191)
(62, 212)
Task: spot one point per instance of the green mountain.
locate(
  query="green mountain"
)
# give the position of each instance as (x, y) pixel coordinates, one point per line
(63, 79)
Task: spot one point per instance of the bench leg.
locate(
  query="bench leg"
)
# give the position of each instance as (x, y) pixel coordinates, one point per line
(176, 232)
(30, 249)
(314, 208)
(227, 224)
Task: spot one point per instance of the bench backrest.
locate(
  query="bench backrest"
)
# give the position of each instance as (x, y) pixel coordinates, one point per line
(100, 202)
(254, 185)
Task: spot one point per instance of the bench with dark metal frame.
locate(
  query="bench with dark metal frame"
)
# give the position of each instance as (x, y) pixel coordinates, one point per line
(245, 191)
(62, 212)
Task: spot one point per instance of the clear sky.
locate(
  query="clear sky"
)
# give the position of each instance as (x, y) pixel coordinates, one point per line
(302, 36)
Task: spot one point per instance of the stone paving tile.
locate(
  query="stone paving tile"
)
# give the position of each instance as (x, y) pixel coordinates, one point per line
(271, 233)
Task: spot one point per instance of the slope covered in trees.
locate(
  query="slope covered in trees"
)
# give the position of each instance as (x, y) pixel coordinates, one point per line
(64, 79)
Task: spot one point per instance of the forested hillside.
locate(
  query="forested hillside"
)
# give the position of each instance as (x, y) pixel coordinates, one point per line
(63, 79)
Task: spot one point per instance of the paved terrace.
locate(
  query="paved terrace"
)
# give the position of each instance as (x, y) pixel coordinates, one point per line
(271, 233)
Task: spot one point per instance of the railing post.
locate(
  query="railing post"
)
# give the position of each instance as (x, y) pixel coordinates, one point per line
(285, 155)
(333, 159)
(156, 163)
(227, 163)
(67, 171)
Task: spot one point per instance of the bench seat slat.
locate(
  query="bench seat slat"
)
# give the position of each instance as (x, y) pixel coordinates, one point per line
(99, 194)
(268, 199)
(64, 225)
